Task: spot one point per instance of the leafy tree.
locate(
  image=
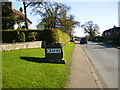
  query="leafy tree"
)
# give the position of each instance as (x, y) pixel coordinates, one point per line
(50, 12)
(7, 16)
(20, 36)
(68, 24)
(27, 3)
(91, 28)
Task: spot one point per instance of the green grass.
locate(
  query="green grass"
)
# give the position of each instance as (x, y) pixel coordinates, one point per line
(25, 73)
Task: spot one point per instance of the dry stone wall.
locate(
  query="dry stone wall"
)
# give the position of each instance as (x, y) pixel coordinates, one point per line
(15, 46)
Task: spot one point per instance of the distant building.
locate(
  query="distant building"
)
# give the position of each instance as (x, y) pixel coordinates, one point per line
(41, 25)
(112, 34)
(119, 14)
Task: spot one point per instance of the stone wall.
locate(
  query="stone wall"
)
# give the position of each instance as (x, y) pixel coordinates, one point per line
(14, 46)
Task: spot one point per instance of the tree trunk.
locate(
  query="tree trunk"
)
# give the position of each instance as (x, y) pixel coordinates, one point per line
(26, 24)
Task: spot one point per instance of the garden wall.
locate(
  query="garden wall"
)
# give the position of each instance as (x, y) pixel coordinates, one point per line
(23, 45)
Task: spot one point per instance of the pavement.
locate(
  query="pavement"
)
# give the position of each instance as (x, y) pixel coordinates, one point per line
(82, 74)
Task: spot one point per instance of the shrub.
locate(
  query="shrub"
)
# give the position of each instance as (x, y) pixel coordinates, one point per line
(60, 36)
(48, 35)
(20, 36)
(54, 35)
(8, 36)
(31, 36)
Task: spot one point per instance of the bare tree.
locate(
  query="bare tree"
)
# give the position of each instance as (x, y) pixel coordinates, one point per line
(91, 28)
(27, 3)
(50, 12)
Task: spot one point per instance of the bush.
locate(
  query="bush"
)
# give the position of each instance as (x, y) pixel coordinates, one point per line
(8, 36)
(48, 35)
(31, 36)
(54, 35)
(61, 37)
(20, 36)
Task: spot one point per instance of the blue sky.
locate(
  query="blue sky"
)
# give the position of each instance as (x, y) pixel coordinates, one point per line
(104, 13)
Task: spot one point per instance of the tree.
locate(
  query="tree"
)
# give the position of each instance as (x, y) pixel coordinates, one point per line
(91, 28)
(27, 3)
(24, 4)
(50, 12)
(7, 15)
(8, 19)
(68, 24)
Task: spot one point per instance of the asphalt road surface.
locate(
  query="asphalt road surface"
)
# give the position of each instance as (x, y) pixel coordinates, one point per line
(104, 60)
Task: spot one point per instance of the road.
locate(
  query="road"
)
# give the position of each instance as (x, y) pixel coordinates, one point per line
(104, 60)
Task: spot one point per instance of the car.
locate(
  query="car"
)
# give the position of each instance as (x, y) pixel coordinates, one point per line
(83, 41)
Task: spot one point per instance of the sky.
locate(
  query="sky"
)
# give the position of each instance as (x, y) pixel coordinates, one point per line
(103, 13)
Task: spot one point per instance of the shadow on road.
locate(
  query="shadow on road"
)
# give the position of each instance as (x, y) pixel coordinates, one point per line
(76, 42)
(79, 43)
(100, 46)
(104, 45)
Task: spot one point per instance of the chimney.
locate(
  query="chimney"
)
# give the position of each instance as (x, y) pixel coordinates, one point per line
(21, 10)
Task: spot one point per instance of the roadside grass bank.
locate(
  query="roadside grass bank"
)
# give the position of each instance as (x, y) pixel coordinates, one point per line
(29, 73)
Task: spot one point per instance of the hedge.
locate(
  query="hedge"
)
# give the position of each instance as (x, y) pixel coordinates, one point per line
(48, 35)
(60, 36)
(10, 36)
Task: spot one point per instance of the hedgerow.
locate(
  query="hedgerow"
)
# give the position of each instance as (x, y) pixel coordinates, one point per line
(23, 35)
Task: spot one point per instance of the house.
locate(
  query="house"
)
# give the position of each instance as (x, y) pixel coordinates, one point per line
(41, 25)
(112, 34)
(10, 16)
(21, 24)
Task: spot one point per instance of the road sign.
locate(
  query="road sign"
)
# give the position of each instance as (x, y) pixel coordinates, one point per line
(57, 24)
(54, 53)
(53, 50)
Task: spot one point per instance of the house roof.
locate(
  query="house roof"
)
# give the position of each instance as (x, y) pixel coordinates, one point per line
(18, 13)
(116, 29)
(41, 23)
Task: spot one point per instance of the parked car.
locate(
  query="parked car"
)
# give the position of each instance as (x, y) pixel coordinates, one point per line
(83, 41)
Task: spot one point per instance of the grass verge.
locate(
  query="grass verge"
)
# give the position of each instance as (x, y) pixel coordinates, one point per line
(21, 73)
